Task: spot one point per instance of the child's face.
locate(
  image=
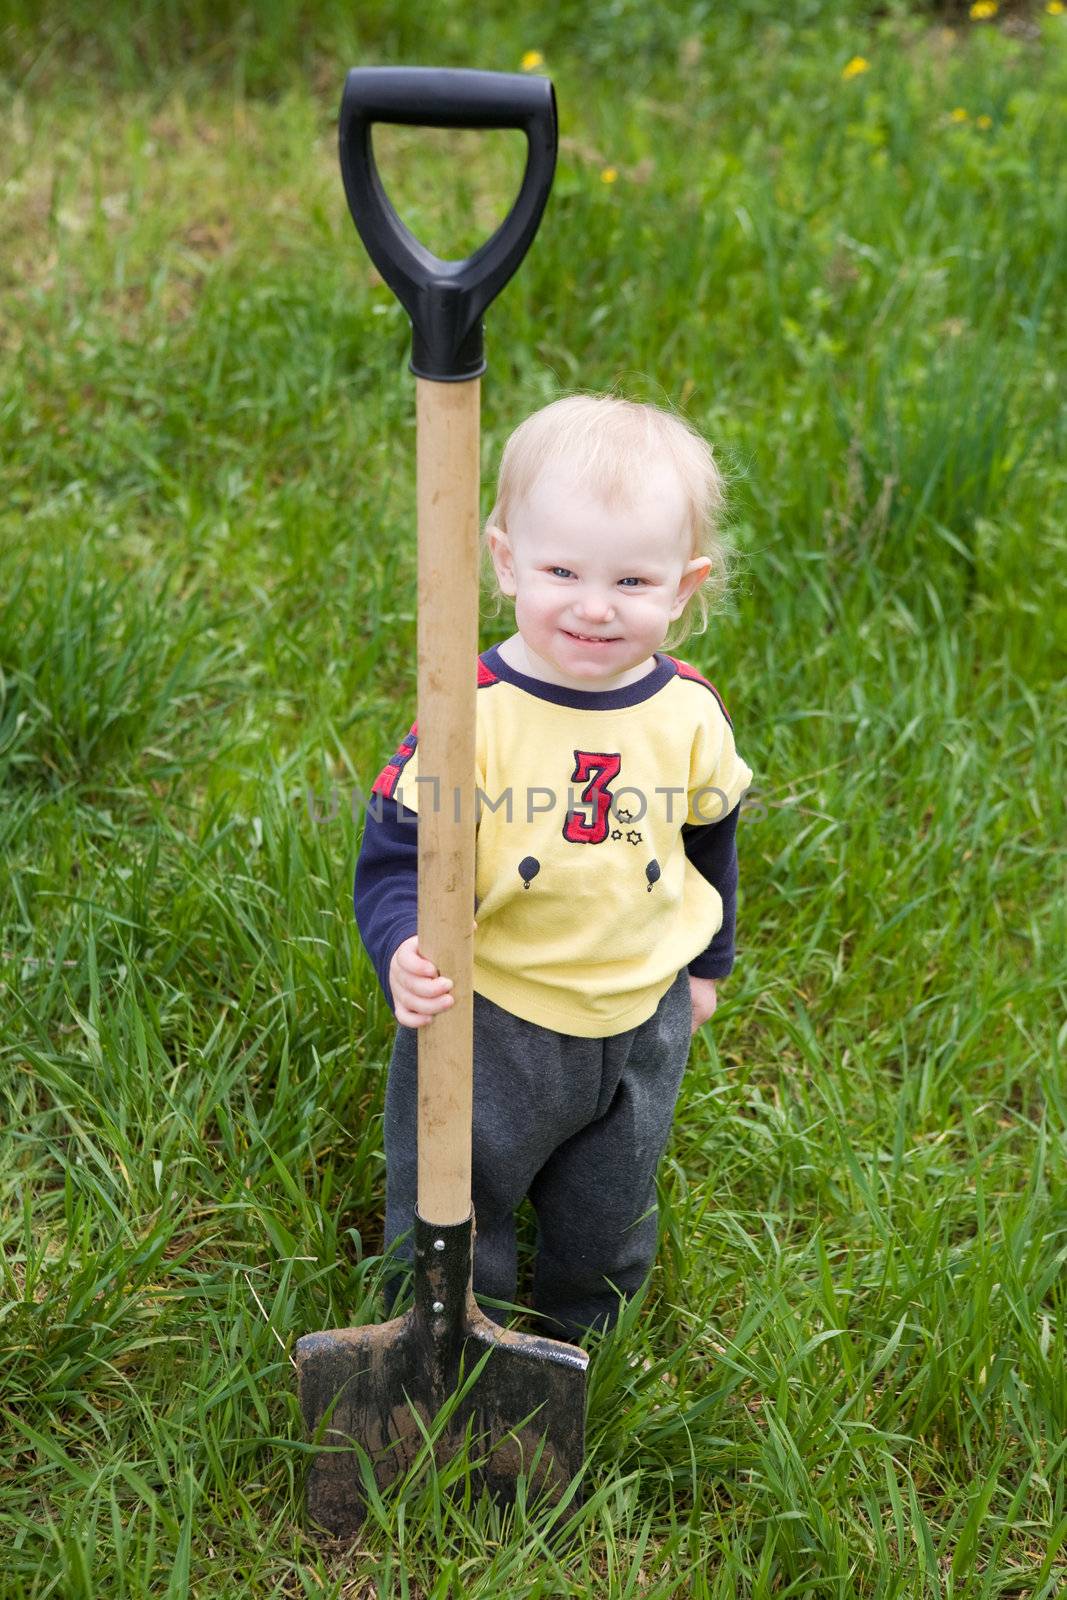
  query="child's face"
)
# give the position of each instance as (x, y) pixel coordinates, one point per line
(596, 590)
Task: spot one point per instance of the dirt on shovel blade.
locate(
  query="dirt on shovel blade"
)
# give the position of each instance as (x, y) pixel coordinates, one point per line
(525, 1409)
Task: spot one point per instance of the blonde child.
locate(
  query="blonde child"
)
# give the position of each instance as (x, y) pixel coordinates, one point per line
(610, 789)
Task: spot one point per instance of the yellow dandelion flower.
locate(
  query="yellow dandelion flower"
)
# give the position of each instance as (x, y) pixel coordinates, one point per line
(982, 10)
(983, 121)
(609, 175)
(1055, 8)
(853, 68)
(958, 114)
(532, 60)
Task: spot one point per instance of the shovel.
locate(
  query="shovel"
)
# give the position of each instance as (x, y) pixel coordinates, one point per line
(516, 1401)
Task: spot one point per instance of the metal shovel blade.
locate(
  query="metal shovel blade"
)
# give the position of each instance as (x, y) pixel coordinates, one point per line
(525, 1409)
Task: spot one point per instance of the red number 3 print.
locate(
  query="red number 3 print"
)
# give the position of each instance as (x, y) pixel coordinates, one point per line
(595, 769)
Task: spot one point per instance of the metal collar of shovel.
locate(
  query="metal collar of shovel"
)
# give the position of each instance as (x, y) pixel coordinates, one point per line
(517, 1401)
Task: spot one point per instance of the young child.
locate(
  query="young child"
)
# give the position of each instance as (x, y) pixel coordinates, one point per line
(606, 858)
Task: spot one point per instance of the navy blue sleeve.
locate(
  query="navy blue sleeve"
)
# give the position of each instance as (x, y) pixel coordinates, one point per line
(386, 889)
(712, 848)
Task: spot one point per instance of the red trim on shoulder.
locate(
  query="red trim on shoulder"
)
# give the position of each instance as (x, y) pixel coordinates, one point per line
(386, 781)
(684, 670)
(389, 777)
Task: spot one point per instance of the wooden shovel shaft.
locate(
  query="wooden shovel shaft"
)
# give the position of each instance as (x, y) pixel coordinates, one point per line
(448, 470)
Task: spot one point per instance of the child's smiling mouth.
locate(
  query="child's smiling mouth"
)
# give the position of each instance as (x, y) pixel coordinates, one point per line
(589, 638)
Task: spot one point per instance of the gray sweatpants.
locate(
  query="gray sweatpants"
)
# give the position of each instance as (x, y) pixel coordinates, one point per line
(579, 1125)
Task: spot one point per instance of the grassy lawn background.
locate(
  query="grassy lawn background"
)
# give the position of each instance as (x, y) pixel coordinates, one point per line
(848, 1375)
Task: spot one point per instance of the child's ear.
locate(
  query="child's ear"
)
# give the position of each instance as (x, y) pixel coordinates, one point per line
(500, 550)
(693, 576)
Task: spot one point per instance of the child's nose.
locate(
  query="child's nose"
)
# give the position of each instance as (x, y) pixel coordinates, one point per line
(596, 607)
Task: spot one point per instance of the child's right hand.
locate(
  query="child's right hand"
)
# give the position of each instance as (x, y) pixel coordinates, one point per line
(419, 991)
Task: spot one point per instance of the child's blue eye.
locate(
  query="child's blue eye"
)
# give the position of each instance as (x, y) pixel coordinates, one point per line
(566, 573)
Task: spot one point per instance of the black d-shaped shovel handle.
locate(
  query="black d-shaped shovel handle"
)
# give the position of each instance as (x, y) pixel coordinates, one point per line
(445, 299)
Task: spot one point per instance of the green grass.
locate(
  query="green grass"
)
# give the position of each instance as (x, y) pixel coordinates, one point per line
(849, 1374)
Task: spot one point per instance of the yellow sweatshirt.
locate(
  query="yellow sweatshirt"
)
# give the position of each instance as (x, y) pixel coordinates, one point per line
(587, 904)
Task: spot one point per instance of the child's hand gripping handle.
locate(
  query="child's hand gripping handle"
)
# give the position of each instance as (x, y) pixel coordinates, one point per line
(445, 300)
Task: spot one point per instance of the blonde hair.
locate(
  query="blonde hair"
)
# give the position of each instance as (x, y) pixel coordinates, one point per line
(609, 444)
